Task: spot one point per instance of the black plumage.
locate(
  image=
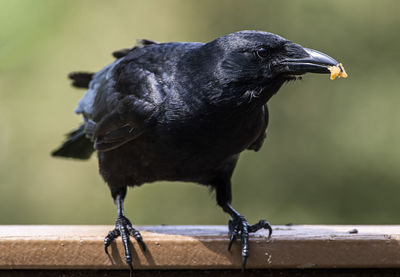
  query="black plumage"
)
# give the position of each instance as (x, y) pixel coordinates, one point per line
(184, 112)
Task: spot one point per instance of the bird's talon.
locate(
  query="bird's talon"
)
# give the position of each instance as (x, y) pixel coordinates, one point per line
(262, 224)
(123, 228)
(109, 238)
(240, 226)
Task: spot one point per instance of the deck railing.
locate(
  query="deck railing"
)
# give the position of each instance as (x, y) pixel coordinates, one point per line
(26, 249)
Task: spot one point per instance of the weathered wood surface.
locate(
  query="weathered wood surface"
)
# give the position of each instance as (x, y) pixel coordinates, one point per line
(200, 247)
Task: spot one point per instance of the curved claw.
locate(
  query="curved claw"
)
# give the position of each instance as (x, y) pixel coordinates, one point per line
(109, 238)
(233, 232)
(269, 228)
(130, 269)
(138, 237)
(244, 260)
(232, 239)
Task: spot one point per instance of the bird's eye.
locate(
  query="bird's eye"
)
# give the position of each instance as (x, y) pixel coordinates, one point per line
(262, 53)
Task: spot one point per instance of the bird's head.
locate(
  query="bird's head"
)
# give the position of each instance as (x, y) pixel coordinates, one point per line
(257, 59)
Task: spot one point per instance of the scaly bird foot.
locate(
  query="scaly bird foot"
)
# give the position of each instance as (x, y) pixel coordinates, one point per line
(239, 226)
(123, 228)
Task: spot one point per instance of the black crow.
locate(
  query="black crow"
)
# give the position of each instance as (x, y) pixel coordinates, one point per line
(184, 112)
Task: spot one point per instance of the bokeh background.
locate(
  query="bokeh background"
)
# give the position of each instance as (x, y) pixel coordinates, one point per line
(332, 155)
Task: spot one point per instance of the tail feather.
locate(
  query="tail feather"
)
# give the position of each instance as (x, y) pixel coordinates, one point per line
(81, 79)
(77, 146)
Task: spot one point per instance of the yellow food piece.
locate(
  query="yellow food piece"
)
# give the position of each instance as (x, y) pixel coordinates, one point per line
(337, 71)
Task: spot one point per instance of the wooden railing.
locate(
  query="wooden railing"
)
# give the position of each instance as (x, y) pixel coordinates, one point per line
(199, 248)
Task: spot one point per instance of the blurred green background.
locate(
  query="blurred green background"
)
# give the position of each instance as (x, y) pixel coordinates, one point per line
(332, 155)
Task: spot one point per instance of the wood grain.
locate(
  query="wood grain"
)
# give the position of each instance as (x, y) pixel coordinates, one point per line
(200, 247)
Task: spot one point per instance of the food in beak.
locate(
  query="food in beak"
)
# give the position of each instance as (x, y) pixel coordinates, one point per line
(337, 71)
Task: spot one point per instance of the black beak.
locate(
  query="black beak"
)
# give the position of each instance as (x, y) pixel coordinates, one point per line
(315, 62)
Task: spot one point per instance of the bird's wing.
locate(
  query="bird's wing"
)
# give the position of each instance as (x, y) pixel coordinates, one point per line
(125, 119)
(124, 98)
(121, 100)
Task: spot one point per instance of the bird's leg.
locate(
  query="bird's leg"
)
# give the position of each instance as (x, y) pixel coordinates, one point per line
(123, 228)
(238, 226)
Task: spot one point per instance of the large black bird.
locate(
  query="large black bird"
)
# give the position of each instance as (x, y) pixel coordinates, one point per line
(184, 112)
